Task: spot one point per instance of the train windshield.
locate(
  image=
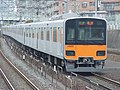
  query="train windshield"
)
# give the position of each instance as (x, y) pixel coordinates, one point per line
(85, 31)
(90, 33)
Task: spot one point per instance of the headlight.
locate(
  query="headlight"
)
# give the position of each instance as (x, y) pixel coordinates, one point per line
(70, 53)
(100, 53)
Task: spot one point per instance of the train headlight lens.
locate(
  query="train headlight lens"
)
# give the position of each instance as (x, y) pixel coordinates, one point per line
(100, 53)
(70, 53)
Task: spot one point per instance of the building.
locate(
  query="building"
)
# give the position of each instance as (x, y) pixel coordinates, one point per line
(8, 12)
(112, 7)
(39, 10)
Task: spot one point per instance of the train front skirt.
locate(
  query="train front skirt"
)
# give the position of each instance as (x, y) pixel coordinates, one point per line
(72, 68)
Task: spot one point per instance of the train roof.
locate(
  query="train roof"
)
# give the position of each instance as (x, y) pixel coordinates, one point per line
(53, 21)
(86, 17)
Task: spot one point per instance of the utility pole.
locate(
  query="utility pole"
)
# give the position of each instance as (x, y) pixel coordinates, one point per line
(75, 6)
(96, 6)
(66, 6)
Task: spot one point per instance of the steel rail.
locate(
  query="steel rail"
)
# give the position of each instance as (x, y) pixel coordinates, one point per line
(8, 83)
(92, 82)
(33, 86)
(107, 79)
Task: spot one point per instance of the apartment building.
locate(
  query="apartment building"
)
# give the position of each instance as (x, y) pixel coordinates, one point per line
(48, 8)
(88, 5)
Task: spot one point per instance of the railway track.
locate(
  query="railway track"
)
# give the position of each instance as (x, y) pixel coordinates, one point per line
(32, 69)
(94, 84)
(99, 82)
(107, 79)
(15, 76)
(8, 83)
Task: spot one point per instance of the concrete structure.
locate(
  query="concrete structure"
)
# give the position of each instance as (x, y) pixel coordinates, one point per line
(109, 9)
(114, 39)
(8, 13)
(112, 7)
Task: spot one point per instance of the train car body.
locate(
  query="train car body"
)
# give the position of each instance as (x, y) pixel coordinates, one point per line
(78, 44)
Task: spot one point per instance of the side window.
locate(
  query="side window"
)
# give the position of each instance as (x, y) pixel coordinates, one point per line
(42, 33)
(33, 35)
(54, 34)
(51, 36)
(48, 35)
(26, 32)
(38, 33)
(29, 32)
(33, 32)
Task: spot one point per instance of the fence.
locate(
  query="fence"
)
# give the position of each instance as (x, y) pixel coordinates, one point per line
(113, 26)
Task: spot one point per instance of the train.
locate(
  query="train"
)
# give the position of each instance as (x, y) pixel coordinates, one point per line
(77, 44)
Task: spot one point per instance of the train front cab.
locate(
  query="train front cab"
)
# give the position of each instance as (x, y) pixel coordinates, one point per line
(85, 45)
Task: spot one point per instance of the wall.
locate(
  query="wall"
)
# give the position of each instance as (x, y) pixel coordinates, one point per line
(113, 41)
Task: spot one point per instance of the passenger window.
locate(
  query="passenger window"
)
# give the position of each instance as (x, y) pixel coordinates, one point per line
(48, 35)
(42, 35)
(38, 33)
(32, 35)
(29, 34)
(26, 32)
(54, 34)
(50, 32)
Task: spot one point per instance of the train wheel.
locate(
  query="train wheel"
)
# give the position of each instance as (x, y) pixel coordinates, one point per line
(103, 63)
(63, 65)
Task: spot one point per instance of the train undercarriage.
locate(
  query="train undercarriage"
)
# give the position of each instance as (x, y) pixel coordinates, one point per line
(81, 65)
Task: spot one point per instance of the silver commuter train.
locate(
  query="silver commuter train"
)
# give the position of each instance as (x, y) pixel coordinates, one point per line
(78, 44)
